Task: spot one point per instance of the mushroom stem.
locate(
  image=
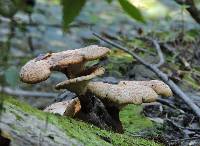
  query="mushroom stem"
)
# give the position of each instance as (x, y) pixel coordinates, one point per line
(79, 85)
(94, 111)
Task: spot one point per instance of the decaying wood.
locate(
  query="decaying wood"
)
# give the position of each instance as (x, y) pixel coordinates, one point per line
(176, 90)
(100, 113)
(30, 130)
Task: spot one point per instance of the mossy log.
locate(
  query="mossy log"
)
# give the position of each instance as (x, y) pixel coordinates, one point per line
(20, 125)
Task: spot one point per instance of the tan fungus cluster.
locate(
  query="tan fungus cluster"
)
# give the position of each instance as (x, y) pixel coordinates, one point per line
(72, 63)
(130, 92)
(67, 108)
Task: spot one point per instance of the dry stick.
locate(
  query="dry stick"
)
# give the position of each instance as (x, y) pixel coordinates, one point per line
(158, 49)
(19, 92)
(159, 73)
(180, 127)
(165, 102)
(36, 24)
(160, 54)
(185, 139)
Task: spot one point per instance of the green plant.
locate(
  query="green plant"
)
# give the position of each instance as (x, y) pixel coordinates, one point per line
(72, 8)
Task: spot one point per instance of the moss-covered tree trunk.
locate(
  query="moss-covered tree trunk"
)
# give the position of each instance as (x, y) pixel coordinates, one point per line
(22, 125)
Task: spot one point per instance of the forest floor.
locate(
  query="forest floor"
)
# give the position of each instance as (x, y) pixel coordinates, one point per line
(22, 124)
(170, 126)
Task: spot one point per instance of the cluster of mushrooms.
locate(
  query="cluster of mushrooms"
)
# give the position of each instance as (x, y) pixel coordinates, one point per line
(98, 103)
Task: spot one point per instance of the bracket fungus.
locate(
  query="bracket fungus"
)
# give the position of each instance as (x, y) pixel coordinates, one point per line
(121, 94)
(158, 86)
(67, 108)
(70, 62)
(96, 102)
(79, 85)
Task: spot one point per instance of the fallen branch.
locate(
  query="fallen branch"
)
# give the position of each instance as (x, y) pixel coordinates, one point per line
(20, 22)
(159, 73)
(158, 49)
(186, 139)
(192, 9)
(182, 59)
(165, 102)
(180, 127)
(19, 92)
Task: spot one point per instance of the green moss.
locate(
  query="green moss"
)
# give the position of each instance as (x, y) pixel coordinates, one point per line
(87, 133)
(18, 117)
(118, 63)
(132, 119)
(188, 79)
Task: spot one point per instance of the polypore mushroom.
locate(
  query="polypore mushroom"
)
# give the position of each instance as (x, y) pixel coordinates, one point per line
(70, 62)
(97, 102)
(116, 96)
(67, 108)
(130, 92)
(79, 85)
(122, 94)
(158, 86)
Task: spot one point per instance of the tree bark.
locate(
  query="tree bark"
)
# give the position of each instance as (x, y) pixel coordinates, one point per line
(192, 9)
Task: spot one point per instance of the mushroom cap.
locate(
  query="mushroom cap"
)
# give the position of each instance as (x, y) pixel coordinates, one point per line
(78, 85)
(34, 72)
(158, 86)
(93, 52)
(67, 108)
(71, 62)
(122, 94)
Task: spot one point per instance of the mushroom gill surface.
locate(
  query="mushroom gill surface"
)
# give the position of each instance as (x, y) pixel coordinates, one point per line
(79, 85)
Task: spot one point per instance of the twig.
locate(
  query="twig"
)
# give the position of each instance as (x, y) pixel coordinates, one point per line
(180, 127)
(185, 139)
(160, 54)
(165, 102)
(144, 50)
(19, 92)
(159, 73)
(111, 37)
(158, 49)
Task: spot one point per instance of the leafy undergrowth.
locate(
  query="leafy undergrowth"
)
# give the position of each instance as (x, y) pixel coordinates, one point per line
(87, 133)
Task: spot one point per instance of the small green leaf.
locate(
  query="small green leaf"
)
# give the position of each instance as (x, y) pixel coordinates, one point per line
(11, 76)
(71, 9)
(131, 10)
(109, 1)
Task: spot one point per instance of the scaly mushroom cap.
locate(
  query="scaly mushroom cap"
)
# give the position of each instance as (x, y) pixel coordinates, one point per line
(158, 86)
(79, 85)
(33, 72)
(122, 94)
(70, 62)
(93, 52)
(67, 108)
